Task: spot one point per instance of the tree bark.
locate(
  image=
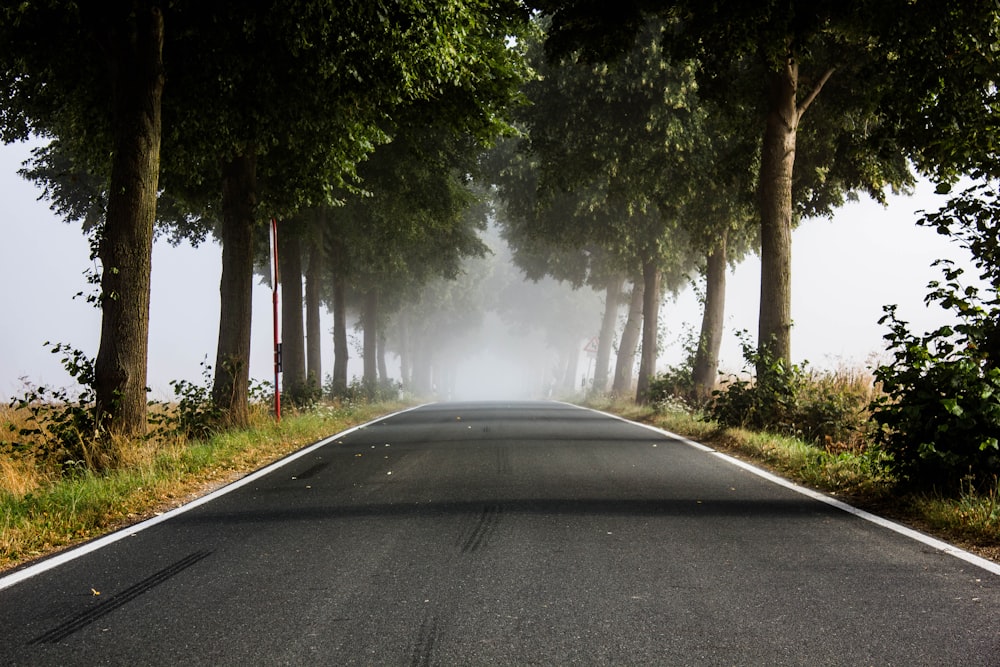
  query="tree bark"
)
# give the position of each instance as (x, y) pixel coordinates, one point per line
(314, 347)
(230, 390)
(126, 243)
(629, 343)
(777, 164)
(774, 337)
(335, 257)
(383, 370)
(293, 357)
(405, 351)
(370, 341)
(650, 326)
(612, 297)
(341, 353)
(706, 361)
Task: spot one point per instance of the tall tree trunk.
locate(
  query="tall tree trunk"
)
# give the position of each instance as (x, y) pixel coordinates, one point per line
(314, 348)
(706, 361)
(230, 390)
(341, 353)
(775, 199)
(625, 363)
(126, 244)
(650, 326)
(383, 370)
(370, 342)
(609, 324)
(293, 353)
(777, 164)
(405, 351)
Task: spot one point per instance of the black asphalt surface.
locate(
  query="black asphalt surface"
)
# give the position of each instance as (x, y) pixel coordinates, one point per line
(507, 534)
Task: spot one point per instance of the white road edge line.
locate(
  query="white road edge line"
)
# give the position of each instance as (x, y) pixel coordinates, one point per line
(932, 542)
(101, 542)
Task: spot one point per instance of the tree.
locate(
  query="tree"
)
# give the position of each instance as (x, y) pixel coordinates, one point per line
(293, 349)
(414, 223)
(93, 75)
(895, 78)
(618, 136)
(543, 240)
(344, 68)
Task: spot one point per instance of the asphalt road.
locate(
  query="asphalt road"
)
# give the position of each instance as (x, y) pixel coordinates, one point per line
(507, 534)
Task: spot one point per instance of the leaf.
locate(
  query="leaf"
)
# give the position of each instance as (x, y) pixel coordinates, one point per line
(952, 406)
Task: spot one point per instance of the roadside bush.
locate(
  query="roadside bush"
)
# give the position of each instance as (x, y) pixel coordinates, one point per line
(940, 416)
(787, 399)
(304, 394)
(671, 391)
(359, 391)
(194, 414)
(57, 426)
(765, 402)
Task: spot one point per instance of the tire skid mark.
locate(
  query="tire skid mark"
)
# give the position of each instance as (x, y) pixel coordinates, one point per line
(312, 470)
(423, 650)
(486, 524)
(85, 618)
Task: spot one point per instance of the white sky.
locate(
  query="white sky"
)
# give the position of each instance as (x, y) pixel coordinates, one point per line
(844, 272)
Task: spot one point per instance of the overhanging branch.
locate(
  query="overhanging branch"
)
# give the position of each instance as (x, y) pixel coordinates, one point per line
(815, 91)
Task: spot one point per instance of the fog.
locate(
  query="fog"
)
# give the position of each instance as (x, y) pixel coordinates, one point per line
(844, 272)
(492, 334)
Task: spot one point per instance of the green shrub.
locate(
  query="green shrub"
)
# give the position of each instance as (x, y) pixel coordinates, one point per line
(194, 414)
(60, 427)
(765, 402)
(360, 391)
(940, 416)
(787, 399)
(672, 390)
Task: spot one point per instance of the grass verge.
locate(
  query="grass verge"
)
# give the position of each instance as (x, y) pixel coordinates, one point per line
(971, 521)
(41, 515)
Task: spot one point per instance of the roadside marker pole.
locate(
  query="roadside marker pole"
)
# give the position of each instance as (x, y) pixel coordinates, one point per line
(277, 339)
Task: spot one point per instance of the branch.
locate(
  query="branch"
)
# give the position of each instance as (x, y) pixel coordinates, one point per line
(815, 91)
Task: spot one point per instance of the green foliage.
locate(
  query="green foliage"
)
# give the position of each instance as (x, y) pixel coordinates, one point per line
(673, 389)
(359, 391)
(194, 414)
(60, 428)
(670, 391)
(940, 416)
(789, 400)
(303, 395)
(767, 402)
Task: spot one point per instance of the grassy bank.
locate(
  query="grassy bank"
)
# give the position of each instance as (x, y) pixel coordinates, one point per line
(42, 511)
(971, 521)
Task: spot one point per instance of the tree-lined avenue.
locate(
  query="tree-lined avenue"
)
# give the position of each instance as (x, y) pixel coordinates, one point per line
(507, 533)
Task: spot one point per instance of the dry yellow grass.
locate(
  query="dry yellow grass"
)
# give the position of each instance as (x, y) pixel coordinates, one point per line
(19, 478)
